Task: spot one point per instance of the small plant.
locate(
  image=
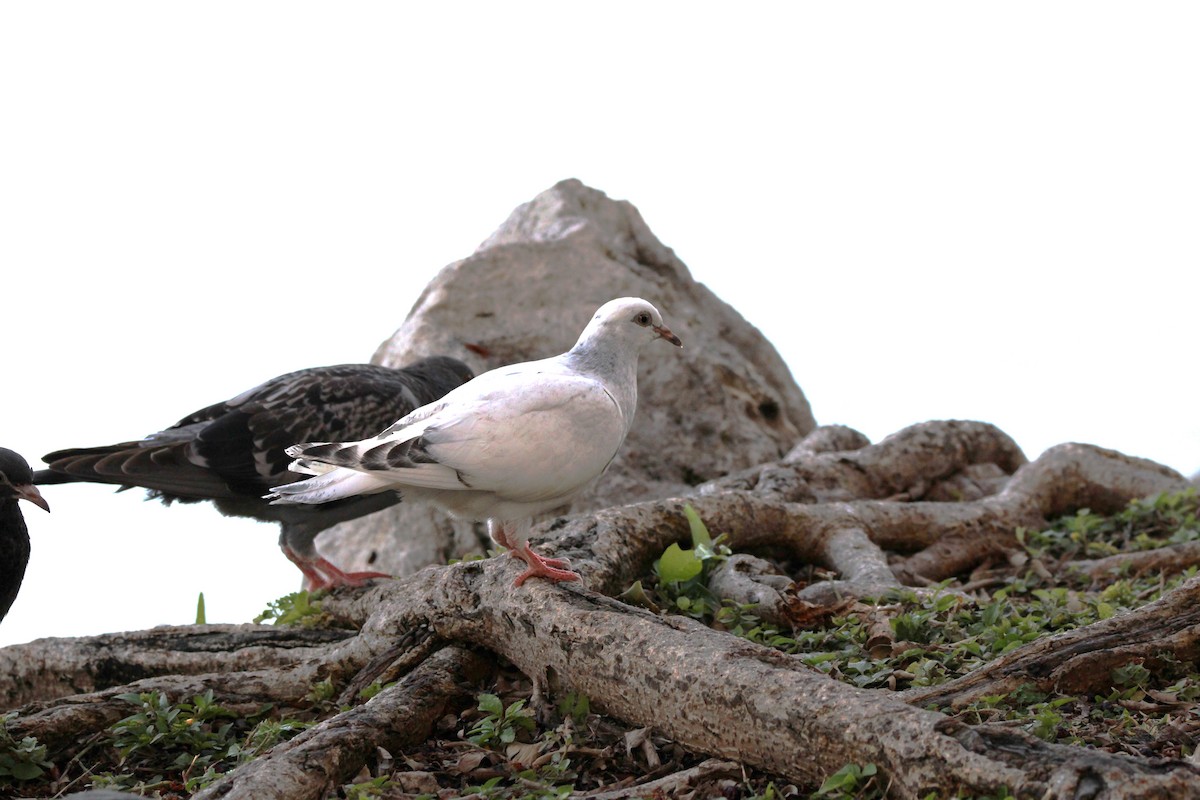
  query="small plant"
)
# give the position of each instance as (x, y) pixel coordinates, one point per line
(526, 789)
(297, 608)
(161, 725)
(1132, 675)
(683, 574)
(737, 618)
(1047, 719)
(1002, 794)
(165, 746)
(499, 725)
(851, 782)
(574, 705)
(1144, 524)
(194, 740)
(368, 789)
(23, 760)
(374, 688)
(770, 793)
(321, 692)
(267, 734)
(489, 788)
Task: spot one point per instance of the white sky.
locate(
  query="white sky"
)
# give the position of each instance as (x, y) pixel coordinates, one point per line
(932, 209)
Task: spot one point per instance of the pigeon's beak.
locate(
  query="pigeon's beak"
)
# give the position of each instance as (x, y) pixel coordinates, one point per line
(665, 333)
(28, 491)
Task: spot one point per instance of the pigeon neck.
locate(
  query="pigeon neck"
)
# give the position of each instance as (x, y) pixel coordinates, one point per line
(10, 512)
(14, 552)
(615, 369)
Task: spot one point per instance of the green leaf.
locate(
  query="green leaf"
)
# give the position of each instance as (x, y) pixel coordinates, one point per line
(200, 610)
(367, 692)
(24, 771)
(678, 564)
(700, 535)
(574, 704)
(846, 779)
(490, 703)
(636, 595)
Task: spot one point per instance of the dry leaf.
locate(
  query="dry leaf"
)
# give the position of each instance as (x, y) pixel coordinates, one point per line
(469, 761)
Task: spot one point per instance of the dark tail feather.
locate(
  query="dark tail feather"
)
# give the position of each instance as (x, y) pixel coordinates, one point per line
(46, 477)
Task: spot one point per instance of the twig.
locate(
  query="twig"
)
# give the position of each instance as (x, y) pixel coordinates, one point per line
(670, 785)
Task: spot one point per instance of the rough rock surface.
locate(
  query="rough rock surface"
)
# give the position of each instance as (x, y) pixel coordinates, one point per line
(725, 402)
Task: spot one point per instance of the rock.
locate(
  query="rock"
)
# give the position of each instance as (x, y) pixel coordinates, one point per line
(725, 402)
(749, 580)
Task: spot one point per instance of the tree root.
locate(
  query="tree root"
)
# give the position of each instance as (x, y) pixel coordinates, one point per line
(58, 723)
(905, 465)
(1169, 559)
(49, 668)
(734, 699)
(1082, 660)
(670, 785)
(724, 696)
(61, 723)
(331, 753)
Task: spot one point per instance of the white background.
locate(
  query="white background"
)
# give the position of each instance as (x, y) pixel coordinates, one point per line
(982, 211)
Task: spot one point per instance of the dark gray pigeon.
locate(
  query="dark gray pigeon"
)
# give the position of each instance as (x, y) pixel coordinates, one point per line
(233, 452)
(16, 483)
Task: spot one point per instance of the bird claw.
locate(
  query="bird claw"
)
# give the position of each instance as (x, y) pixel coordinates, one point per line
(560, 563)
(542, 567)
(319, 573)
(344, 579)
(549, 573)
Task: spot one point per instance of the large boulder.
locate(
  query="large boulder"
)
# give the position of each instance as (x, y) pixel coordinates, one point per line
(724, 403)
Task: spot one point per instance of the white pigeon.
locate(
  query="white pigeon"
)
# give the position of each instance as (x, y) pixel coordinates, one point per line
(506, 446)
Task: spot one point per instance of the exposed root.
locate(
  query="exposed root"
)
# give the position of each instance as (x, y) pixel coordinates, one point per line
(1082, 660)
(834, 503)
(48, 668)
(1170, 559)
(331, 753)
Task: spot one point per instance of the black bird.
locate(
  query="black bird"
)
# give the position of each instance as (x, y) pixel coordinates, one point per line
(233, 453)
(16, 483)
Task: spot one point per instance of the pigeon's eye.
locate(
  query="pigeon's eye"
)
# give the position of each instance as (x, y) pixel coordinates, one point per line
(642, 319)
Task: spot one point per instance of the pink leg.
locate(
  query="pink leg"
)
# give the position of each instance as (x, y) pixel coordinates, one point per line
(335, 577)
(321, 574)
(311, 577)
(503, 534)
(559, 563)
(541, 567)
(499, 532)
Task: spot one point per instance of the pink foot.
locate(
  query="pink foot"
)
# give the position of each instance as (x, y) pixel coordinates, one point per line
(321, 574)
(561, 563)
(332, 576)
(541, 567)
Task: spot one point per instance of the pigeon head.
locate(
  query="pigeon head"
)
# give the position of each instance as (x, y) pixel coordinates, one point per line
(627, 319)
(16, 479)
